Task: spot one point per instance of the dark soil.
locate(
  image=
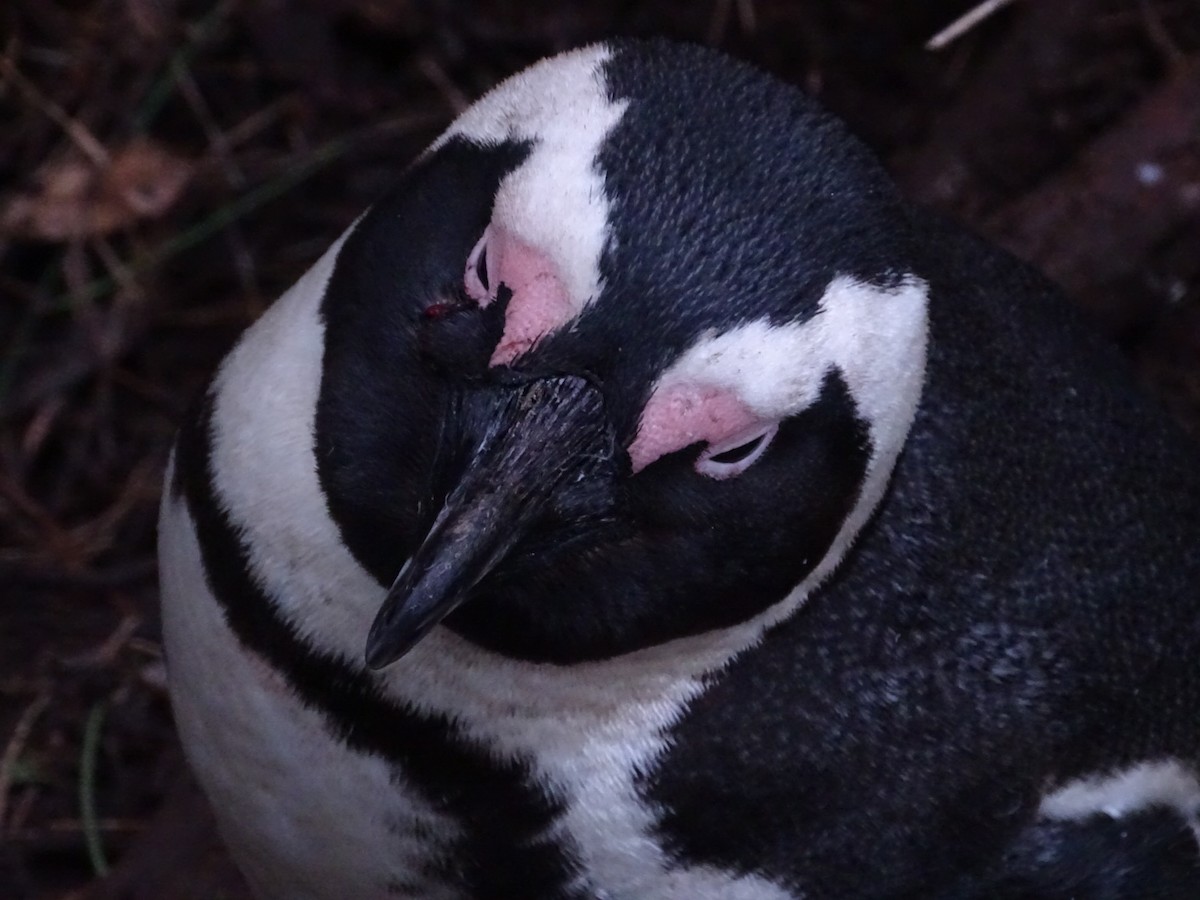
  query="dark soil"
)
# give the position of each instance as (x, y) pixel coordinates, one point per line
(168, 167)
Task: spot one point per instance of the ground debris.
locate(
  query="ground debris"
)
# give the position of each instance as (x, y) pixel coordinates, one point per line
(169, 166)
(74, 198)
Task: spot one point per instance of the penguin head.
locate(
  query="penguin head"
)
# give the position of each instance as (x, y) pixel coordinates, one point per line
(627, 355)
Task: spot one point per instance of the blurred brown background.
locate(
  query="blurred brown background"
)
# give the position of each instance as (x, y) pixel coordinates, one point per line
(168, 167)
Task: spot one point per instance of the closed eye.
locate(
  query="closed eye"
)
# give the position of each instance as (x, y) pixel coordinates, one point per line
(734, 456)
(477, 279)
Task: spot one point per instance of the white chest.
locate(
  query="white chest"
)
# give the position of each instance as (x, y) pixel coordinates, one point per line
(306, 816)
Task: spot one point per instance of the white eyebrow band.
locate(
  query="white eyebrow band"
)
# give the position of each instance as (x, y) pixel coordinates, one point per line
(874, 336)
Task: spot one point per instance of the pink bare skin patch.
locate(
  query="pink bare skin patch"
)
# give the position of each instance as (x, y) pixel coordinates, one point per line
(539, 302)
(682, 414)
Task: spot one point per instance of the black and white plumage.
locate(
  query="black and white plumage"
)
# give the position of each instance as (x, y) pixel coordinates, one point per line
(765, 537)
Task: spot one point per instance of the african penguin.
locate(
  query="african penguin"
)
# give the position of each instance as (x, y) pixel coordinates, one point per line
(642, 501)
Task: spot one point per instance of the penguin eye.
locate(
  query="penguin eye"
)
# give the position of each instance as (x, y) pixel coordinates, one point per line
(735, 455)
(477, 280)
(481, 269)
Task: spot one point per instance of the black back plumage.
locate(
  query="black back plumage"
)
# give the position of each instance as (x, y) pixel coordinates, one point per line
(1023, 603)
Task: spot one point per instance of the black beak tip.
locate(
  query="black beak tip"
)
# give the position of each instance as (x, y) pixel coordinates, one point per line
(543, 438)
(379, 651)
(387, 642)
(396, 630)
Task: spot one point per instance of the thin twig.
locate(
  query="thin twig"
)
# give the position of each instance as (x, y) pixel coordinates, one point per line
(291, 174)
(1160, 36)
(57, 541)
(140, 488)
(965, 23)
(217, 140)
(432, 70)
(747, 17)
(74, 826)
(106, 653)
(257, 121)
(116, 267)
(113, 576)
(74, 129)
(160, 92)
(21, 336)
(718, 22)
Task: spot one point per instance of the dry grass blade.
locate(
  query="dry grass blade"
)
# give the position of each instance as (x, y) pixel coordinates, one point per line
(88, 817)
(15, 747)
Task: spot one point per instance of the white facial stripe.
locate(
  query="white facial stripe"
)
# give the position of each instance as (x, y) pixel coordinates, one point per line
(555, 201)
(875, 336)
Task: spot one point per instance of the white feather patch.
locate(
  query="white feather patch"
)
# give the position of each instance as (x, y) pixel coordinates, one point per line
(875, 336)
(555, 201)
(1168, 783)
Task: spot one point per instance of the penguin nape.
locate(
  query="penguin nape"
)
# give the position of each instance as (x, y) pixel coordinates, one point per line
(643, 501)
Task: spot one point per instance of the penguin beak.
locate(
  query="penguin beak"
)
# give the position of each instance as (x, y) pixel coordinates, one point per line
(543, 453)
